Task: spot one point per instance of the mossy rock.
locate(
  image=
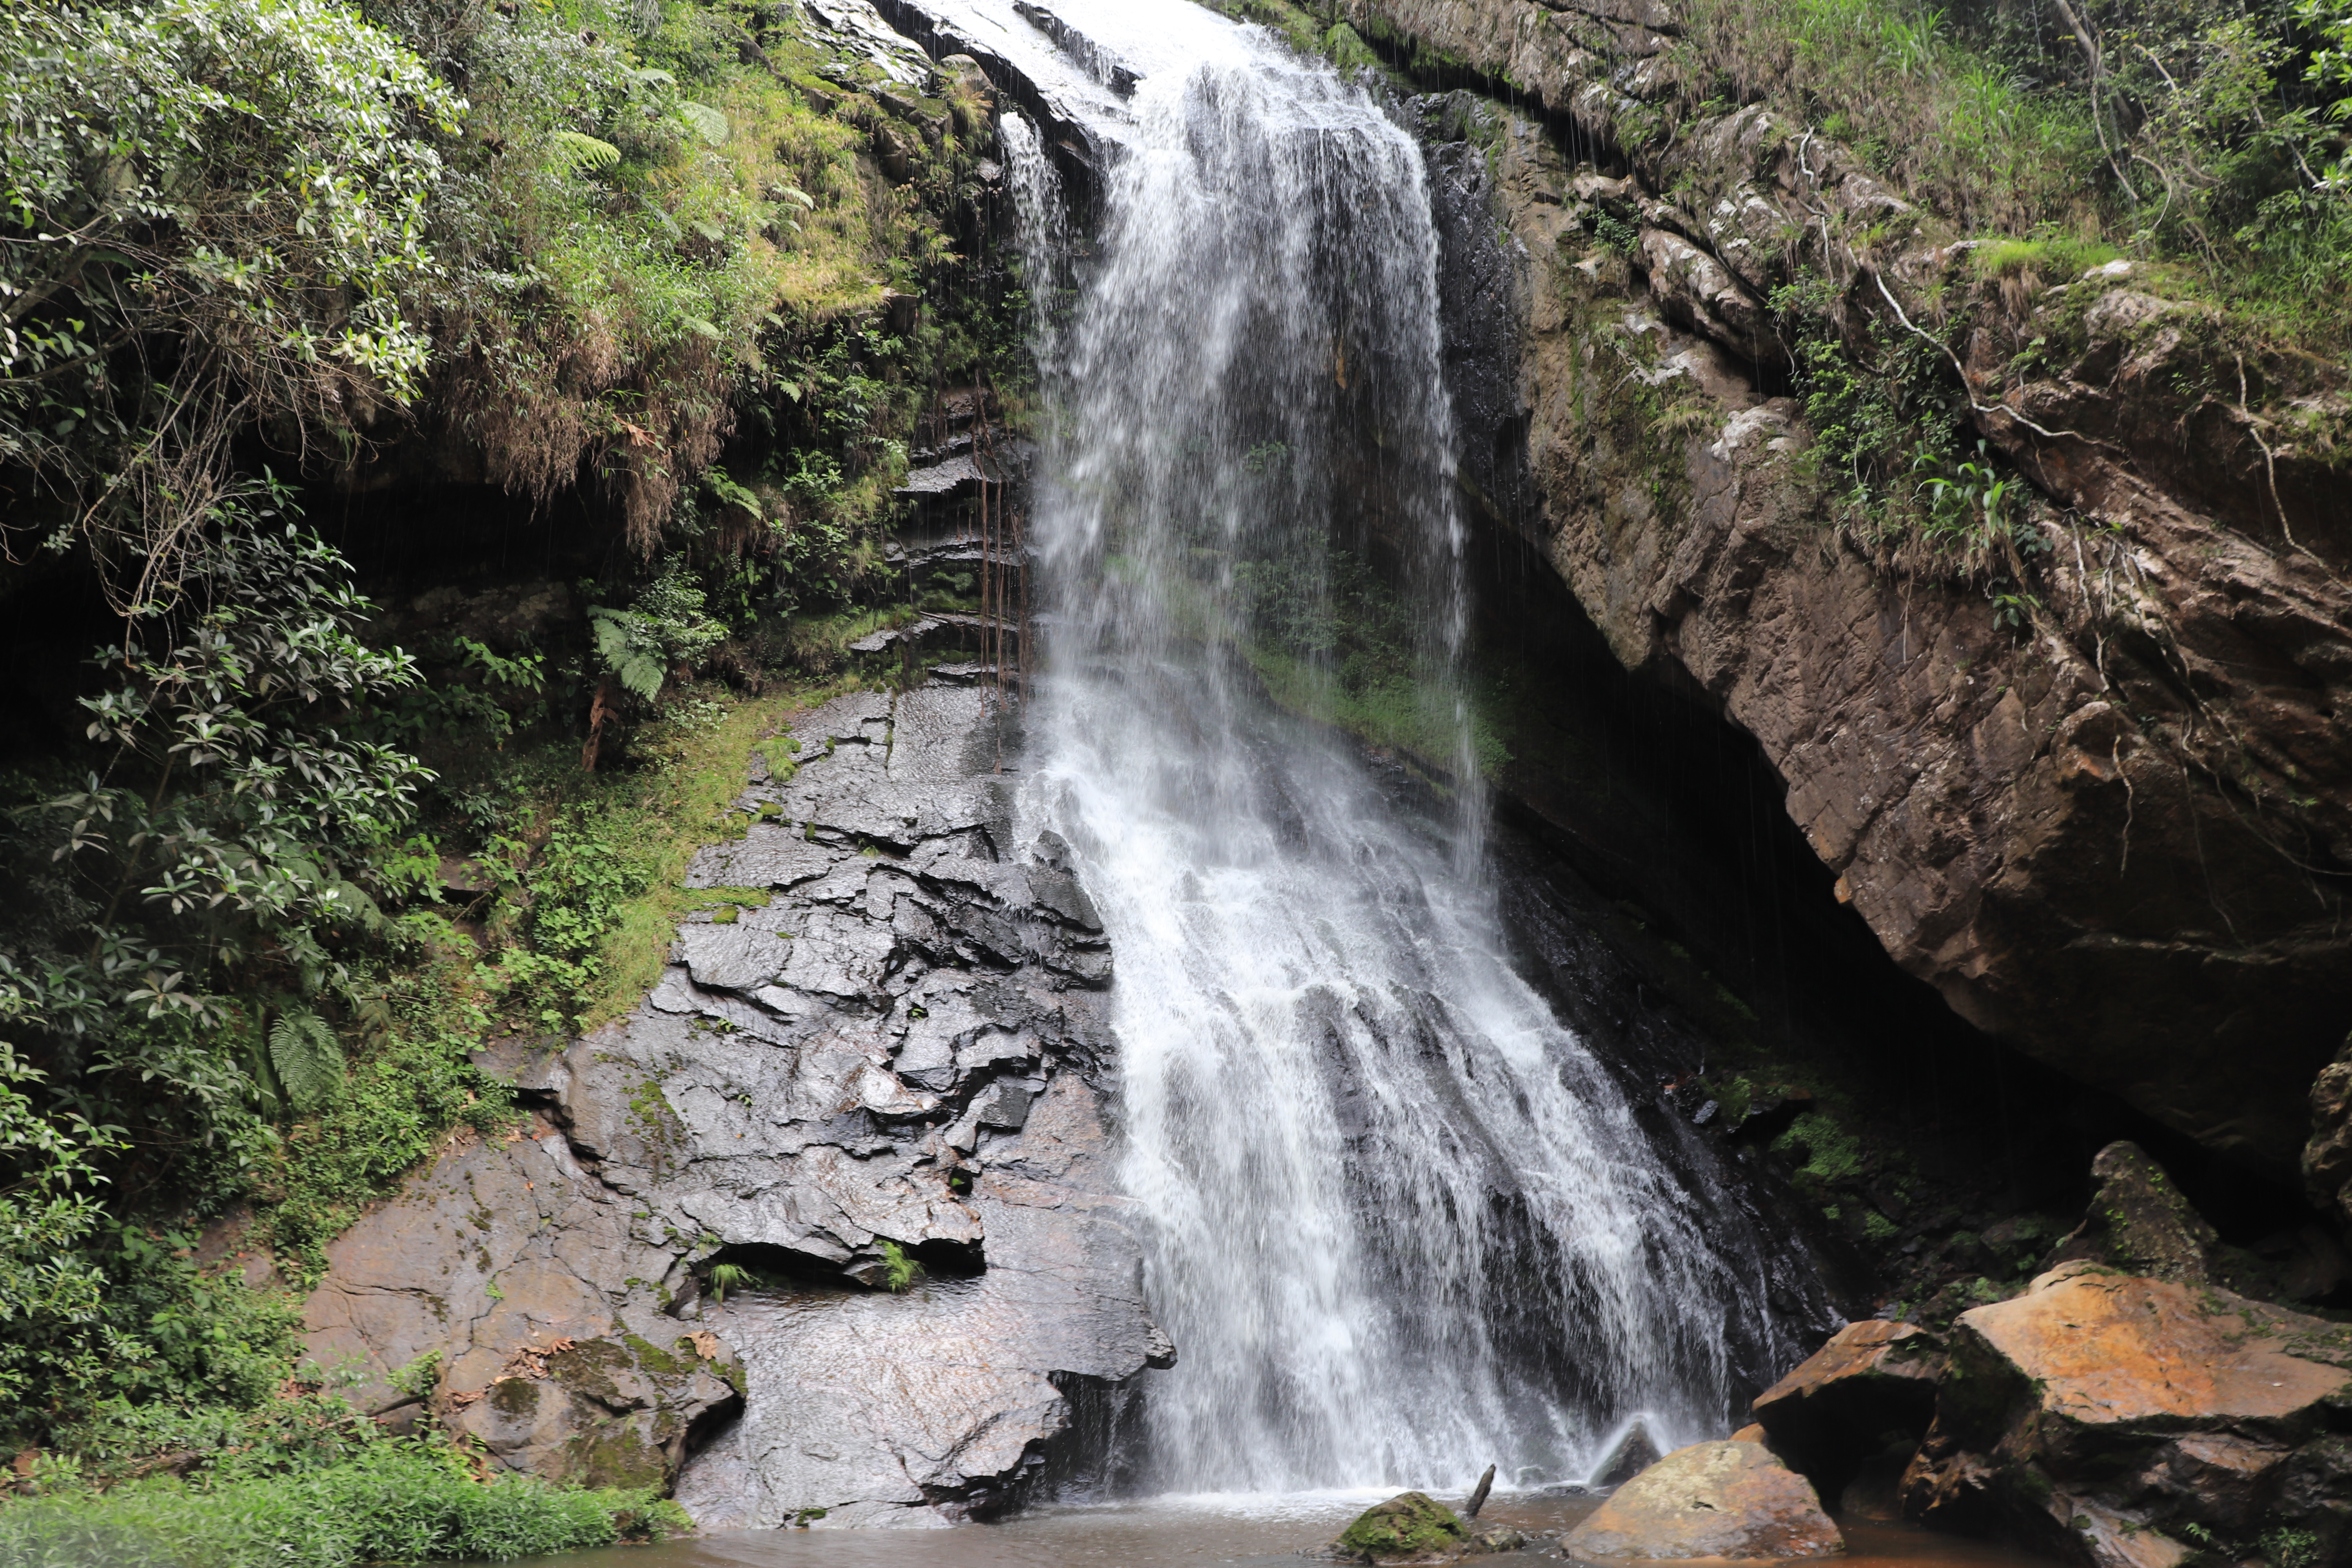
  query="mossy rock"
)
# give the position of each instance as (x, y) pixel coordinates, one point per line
(517, 1397)
(616, 1454)
(594, 1367)
(1410, 1526)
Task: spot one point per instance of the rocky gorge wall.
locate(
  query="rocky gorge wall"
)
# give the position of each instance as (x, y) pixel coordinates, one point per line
(876, 1048)
(2111, 825)
(2080, 829)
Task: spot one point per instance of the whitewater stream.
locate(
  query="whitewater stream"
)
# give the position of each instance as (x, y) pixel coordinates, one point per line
(1401, 1222)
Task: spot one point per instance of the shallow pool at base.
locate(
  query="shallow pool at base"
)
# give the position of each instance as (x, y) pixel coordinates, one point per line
(1193, 1532)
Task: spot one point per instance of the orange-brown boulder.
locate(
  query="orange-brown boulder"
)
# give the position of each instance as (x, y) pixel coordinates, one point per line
(1725, 1499)
(1874, 1382)
(2106, 1417)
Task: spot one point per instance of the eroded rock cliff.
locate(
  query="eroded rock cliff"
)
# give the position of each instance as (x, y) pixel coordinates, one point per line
(864, 1083)
(2097, 789)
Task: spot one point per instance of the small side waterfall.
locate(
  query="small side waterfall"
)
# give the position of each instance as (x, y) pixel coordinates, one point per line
(1401, 1223)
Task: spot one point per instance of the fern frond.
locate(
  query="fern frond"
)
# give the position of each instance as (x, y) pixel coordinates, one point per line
(643, 674)
(309, 1060)
(577, 155)
(704, 121)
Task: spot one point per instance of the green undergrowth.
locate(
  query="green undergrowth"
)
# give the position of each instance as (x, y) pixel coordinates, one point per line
(2210, 137)
(588, 873)
(608, 879)
(382, 1501)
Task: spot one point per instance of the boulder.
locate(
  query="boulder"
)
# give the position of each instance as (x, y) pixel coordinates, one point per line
(1711, 1499)
(1633, 1451)
(1871, 1389)
(2138, 1222)
(1412, 1527)
(616, 1411)
(2110, 1418)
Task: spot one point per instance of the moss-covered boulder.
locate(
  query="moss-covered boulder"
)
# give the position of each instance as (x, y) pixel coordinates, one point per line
(1412, 1527)
(2114, 1420)
(600, 1412)
(2139, 1224)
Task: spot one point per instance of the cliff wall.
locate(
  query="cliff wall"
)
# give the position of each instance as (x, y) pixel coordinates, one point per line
(2092, 781)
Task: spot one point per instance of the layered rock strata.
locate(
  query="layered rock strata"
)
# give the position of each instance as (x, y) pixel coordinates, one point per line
(2117, 1420)
(2111, 824)
(874, 1050)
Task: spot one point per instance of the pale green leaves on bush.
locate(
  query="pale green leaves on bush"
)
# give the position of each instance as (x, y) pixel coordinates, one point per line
(580, 154)
(667, 626)
(704, 121)
(247, 178)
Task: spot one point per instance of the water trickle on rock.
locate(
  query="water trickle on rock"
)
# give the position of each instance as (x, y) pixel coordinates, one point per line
(1400, 1222)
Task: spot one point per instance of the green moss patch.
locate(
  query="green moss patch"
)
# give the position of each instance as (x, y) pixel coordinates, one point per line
(1412, 1524)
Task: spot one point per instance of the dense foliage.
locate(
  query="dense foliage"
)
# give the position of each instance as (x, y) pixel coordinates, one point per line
(284, 880)
(381, 1502)
(211, 213)
(2214, 133)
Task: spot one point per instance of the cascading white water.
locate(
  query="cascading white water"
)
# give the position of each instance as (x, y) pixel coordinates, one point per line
(1401, 1223)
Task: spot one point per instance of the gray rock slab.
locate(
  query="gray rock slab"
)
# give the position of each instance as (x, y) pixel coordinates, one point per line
(770, 855)
(895, 1049)
(738, 957)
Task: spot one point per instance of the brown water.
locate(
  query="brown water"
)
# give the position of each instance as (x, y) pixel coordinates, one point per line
(1191, 1532)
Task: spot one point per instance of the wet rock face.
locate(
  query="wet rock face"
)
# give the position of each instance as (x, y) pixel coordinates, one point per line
(2100, 1415)
(2047, 823)
(524, 1275)
(889, 1054)
(2327, 1157)
(1728, 1500)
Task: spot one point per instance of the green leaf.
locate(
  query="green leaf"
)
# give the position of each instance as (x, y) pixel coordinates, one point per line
(641, 673)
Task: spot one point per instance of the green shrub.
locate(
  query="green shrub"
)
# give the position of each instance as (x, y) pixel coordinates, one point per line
(398, 1502)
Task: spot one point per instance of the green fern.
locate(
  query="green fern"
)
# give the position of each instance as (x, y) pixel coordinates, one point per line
(309, 1060)
(577, 155)
(621, 644)
(704, 121)
(726, 1277)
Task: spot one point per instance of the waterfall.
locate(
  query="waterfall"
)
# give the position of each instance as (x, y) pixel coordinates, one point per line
(1399, 1221)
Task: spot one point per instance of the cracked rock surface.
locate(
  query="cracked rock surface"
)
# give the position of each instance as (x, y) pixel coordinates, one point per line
(893, 1054)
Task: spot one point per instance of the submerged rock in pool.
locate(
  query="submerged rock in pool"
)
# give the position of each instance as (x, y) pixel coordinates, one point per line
(1412, 1527)
(1711, 1499)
